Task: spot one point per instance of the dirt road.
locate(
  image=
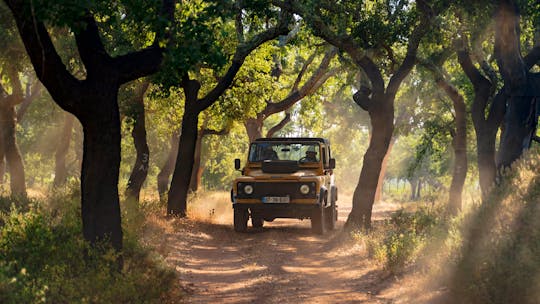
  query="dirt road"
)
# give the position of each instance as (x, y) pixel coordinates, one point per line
(282, 263)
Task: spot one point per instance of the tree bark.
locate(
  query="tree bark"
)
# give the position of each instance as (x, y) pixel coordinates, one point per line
(196, 173)
(384, 165)
(485, 127)
(520, 118)
(140, 168)
(459, 143)
(100, 207)
(13, 157)
(166, 170)
(382, 121)
(177, 198)
(254, 128)
(60, 169)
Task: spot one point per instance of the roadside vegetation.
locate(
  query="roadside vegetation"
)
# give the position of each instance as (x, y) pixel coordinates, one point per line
(487, 254)
(44, 259)
(120, 119)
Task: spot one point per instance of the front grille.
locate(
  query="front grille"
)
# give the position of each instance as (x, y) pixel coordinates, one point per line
(292, 189)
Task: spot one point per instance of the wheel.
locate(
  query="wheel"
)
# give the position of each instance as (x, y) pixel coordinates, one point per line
(317, 221)
(330, 216)
(257, 221)
(240, 219)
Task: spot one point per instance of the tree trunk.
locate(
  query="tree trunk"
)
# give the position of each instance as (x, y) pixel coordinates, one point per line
(519, 127)
(459, 144)
(13, 157)
(196, 173)
(382, 121)
(140, 168)
(168, 167)
(99, 174)
(384, 165)
(414, 186)
(254, 128)
(177, 198)
(60, 169)
(519, 120)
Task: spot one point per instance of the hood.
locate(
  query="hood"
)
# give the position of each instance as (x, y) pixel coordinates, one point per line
(259, 174)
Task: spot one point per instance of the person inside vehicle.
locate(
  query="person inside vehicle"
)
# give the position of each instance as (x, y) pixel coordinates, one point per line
(311, 156)
(269, 154)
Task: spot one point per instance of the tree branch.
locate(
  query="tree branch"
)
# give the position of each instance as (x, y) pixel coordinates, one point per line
(90, 47)
(242, 51)
(47, 63)
(317, 79)
(31, 95)
(279, 126)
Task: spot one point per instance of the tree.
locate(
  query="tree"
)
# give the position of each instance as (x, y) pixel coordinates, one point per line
(489, 99)
(137, 114)
(458, 133)
(360, 36)
(521, 86)
(93, 100)
(254, 125)
(177, 196)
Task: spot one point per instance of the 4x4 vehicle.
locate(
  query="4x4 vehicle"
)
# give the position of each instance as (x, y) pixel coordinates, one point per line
(286, 178)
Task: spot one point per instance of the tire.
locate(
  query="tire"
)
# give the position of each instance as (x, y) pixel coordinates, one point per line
(330, 216)
(318, 221)
(257, 221)
(240, 219)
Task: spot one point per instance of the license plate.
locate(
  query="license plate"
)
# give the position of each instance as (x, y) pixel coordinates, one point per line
(276, 199)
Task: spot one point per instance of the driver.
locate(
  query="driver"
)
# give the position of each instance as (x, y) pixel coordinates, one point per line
(311, 156)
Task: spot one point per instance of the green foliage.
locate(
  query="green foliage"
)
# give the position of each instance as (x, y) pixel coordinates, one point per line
(44, 259)
(401, 241)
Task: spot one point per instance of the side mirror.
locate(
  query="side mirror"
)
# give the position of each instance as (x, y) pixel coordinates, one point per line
(332, 163)
(237, 163)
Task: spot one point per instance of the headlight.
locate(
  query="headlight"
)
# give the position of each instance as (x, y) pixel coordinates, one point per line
(304, 189)
(248, 189)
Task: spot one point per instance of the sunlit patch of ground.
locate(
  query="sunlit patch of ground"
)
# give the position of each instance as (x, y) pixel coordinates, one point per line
(281, 263)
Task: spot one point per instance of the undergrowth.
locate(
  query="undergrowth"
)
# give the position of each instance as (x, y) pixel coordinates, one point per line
(44, 259)
(490, 253)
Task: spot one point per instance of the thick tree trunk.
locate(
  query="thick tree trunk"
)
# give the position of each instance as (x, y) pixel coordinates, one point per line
(163, 177)
(196, 172)
(519, 120)
(485, 127)
(99, 175)
(519, 127)
(254, 128)
(177, 198)
(140, 168)
(459, 144)
(382, 121)
(384, 165)
(13, 157)
(60, 175)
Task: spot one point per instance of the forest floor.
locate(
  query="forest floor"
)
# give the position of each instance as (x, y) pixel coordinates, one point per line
(281, 263)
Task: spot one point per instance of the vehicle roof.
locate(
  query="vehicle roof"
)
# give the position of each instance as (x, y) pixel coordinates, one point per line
(293, 139)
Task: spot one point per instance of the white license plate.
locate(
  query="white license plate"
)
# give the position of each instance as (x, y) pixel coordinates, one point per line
(276, 199)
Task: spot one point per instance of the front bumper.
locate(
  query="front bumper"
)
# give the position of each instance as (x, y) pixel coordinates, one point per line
(271, 211)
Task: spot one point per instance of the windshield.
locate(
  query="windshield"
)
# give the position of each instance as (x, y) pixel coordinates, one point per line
(301, 152)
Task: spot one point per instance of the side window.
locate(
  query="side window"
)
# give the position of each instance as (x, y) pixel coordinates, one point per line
(324, 157)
